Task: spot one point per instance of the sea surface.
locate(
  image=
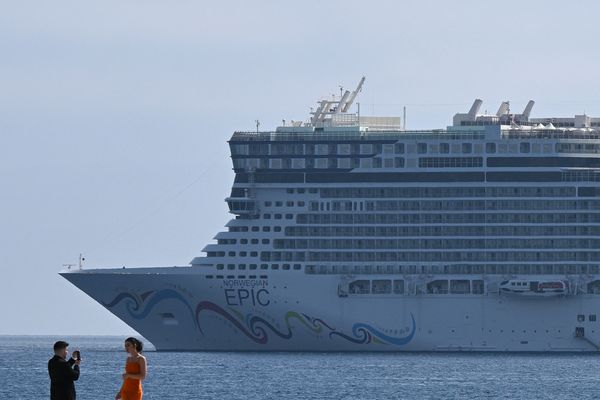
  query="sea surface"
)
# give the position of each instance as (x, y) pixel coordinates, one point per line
(208, 375)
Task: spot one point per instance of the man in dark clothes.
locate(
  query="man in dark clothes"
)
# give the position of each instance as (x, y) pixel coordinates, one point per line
(62, 373)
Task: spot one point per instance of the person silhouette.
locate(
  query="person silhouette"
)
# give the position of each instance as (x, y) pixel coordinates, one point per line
(135, 371)
(63, 373)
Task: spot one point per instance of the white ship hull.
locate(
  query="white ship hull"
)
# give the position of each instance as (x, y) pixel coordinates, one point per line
(179, 309)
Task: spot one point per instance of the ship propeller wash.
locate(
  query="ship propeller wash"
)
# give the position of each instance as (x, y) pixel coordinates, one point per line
(350, 233)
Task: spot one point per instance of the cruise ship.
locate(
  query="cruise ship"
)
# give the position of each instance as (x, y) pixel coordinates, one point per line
(351, 233)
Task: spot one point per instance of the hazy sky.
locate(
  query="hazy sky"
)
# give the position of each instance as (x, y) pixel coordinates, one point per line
(114, 115)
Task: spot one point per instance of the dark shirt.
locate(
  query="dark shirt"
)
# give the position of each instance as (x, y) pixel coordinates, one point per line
(62, 375)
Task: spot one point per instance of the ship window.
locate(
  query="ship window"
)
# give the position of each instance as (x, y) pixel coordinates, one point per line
(444, 148)
(230, 276)
(251, 276)
(359, 287)
(267, 216)
(264, 266)
(399, 148)
(286, 266)
(592, 317)
(254, 241)
(437, 287)
(244, 241)
(380, 286)
(219, 276)
(490, 147)
(460, 286)
(243, 254)
(265, 241)
(477, 286)
(274, 266)
(277, 229)
(421, 148)
(220, 266)
(297, 266)
(580, 317)
(253, 254)
(208, 276)
(524, 147)
(266, 229)
(467, 148)
(263, 277)
(242, 266)
(268, 204)
(277, 216)
(301, 204)
(289, 216)
(399, 286)
(230, 266)
(253, 266)
(290, 190)
(255, 229)
(279, 204)
(231, 254)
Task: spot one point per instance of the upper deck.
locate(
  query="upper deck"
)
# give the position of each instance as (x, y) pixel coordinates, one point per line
(333, 122)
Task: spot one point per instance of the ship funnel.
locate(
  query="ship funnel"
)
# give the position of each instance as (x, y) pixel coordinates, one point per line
(527, 109)
(504, 107)
(472, 114)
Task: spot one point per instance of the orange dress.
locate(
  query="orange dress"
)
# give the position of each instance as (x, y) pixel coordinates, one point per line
(132, 388)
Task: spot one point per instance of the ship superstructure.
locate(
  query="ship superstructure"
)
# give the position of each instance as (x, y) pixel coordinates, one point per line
(351, 233)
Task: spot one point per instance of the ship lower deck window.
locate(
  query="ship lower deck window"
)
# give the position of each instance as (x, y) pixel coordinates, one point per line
(399, 286)
(437, 287)
(230, 266)
(460, 286)
(360, 287)
(381, 286)
(264, 266)
(220, 266)
(580, 318)
(477, 287)
(253, 266)
(592, 317)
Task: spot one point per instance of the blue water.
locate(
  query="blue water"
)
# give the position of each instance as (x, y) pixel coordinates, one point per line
(23, 374)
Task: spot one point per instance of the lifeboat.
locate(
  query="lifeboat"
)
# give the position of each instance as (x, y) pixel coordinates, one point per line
(534, 288)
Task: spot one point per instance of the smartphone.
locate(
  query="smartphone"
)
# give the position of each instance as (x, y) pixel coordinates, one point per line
(77, 355)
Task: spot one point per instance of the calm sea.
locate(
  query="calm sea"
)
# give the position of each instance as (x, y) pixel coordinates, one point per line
(23, 374)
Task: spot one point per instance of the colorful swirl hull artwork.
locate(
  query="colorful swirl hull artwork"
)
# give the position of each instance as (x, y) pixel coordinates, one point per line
(258, 329)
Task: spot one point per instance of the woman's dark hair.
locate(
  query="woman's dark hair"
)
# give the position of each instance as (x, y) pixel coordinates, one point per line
(136, 343)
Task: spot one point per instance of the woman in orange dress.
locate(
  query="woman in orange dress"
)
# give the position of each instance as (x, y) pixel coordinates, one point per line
(135, 371)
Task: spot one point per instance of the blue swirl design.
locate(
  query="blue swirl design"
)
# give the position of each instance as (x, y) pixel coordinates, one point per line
(149, 300)
(255, 327)
(363, 333)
